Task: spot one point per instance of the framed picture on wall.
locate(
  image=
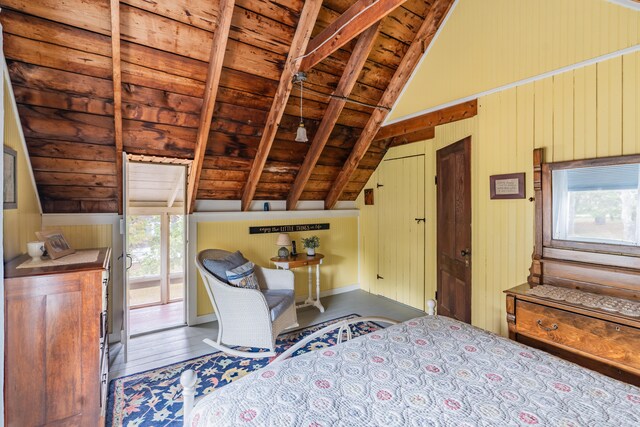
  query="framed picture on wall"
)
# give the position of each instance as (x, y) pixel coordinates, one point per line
(10, 191)
(507, 186)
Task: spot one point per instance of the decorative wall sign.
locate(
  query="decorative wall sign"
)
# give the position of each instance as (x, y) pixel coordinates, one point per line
(368, 196)
(507, 186)
(287, 228)
(10, 192)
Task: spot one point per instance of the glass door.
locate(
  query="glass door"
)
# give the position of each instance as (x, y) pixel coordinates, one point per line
(145, 274)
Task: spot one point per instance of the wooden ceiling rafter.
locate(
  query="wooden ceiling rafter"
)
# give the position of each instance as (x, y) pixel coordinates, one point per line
(408, 138)
(333, 111)
(445, 115)
(218, 49)
(423, 38)
(291, 67)
(360, 16)
(117, 95)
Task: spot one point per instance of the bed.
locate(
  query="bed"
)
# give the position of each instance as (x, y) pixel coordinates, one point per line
(429, 371)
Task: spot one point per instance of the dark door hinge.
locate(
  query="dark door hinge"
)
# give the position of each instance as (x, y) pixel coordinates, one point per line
(436, 180)
(436, 295)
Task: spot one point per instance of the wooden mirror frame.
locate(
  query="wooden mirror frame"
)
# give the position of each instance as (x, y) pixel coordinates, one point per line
(595, 267)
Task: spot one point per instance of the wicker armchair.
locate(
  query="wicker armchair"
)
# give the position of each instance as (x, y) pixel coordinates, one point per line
(247, 317)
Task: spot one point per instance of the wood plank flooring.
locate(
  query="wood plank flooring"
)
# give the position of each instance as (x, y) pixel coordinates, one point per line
(145, 319)
(175, 345)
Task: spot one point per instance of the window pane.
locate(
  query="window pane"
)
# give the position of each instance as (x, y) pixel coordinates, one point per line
(597, 204)
(144, 248)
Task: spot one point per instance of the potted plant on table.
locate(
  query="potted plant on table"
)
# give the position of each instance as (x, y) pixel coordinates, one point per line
(311, 243)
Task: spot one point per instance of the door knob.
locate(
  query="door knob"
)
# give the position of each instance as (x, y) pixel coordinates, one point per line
(465, 252)
(418, 220)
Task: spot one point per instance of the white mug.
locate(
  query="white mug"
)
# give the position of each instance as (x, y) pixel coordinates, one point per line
(35, 250)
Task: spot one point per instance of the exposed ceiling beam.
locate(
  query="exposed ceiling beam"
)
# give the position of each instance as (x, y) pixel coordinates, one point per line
(117, 94)
(291, 67)
(218, 48)
(446, 115)
(420, 135)
(345, 86)
(425, 34)
(356, 19)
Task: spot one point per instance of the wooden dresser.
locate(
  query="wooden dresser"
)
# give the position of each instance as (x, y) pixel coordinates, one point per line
(56, 348)
(582, 299)
(597, 339)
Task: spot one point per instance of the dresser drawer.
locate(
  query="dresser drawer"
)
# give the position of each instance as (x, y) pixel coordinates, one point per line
(607, 340)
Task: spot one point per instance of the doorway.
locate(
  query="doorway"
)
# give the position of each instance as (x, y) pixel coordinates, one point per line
(453, 165)
(155, 245)
(401, 230)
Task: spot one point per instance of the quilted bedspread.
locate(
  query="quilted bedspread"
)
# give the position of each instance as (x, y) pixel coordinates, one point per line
(429, 371)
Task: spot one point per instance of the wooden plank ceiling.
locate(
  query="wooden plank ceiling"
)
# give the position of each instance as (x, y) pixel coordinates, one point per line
(60, 62)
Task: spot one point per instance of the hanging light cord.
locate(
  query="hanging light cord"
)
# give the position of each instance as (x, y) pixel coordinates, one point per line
(344, 98)
(301, 94)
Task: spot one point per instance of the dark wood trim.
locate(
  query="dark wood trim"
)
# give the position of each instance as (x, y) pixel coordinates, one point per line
(547, 195)
(443, 116)
(291, 67)
(331, 115)
(423, 38)
(354, 21)
(218, 49)
(601, 161)
(420, 135)
(117, 94)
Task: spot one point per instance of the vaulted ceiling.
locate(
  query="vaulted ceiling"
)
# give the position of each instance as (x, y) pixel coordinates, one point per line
(60, 54)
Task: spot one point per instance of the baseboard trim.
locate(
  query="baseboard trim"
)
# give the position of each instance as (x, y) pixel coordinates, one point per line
(335, 291)
(206, 318)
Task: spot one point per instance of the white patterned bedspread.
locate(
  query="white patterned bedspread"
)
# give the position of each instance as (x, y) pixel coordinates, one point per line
(430, 371)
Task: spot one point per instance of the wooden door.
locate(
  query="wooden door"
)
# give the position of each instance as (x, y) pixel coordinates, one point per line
(454, 230)
(400, 194)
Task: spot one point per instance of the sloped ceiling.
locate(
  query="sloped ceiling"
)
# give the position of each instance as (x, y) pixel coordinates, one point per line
(513, 41)
(59, 58)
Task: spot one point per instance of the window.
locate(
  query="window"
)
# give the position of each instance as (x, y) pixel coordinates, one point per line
(597, 204)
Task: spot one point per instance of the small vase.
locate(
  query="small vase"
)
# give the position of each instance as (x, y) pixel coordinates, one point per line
(311, 251)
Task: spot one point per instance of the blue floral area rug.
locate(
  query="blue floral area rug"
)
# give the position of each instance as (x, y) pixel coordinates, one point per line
(154, 398)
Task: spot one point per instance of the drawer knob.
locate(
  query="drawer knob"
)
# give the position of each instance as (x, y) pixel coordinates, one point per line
(552, 328)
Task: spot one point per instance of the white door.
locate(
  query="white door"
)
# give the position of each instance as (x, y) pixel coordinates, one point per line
(126, 259)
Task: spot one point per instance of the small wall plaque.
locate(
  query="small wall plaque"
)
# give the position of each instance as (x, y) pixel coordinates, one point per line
(507, 186)
(368, 196)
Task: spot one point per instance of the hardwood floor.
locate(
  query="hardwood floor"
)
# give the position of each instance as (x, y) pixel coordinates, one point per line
(175, 345)
(145, 319)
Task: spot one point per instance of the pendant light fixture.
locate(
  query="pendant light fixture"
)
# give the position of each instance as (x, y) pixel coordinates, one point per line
(301, 134)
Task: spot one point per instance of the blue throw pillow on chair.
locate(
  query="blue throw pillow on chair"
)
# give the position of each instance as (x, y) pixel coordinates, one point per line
(243, 276)
(219, 267)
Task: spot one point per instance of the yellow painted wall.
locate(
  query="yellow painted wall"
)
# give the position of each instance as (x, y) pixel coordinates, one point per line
(19, 224)
(486, 44)
(339, 244)
(585, 113)
(87, 237)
